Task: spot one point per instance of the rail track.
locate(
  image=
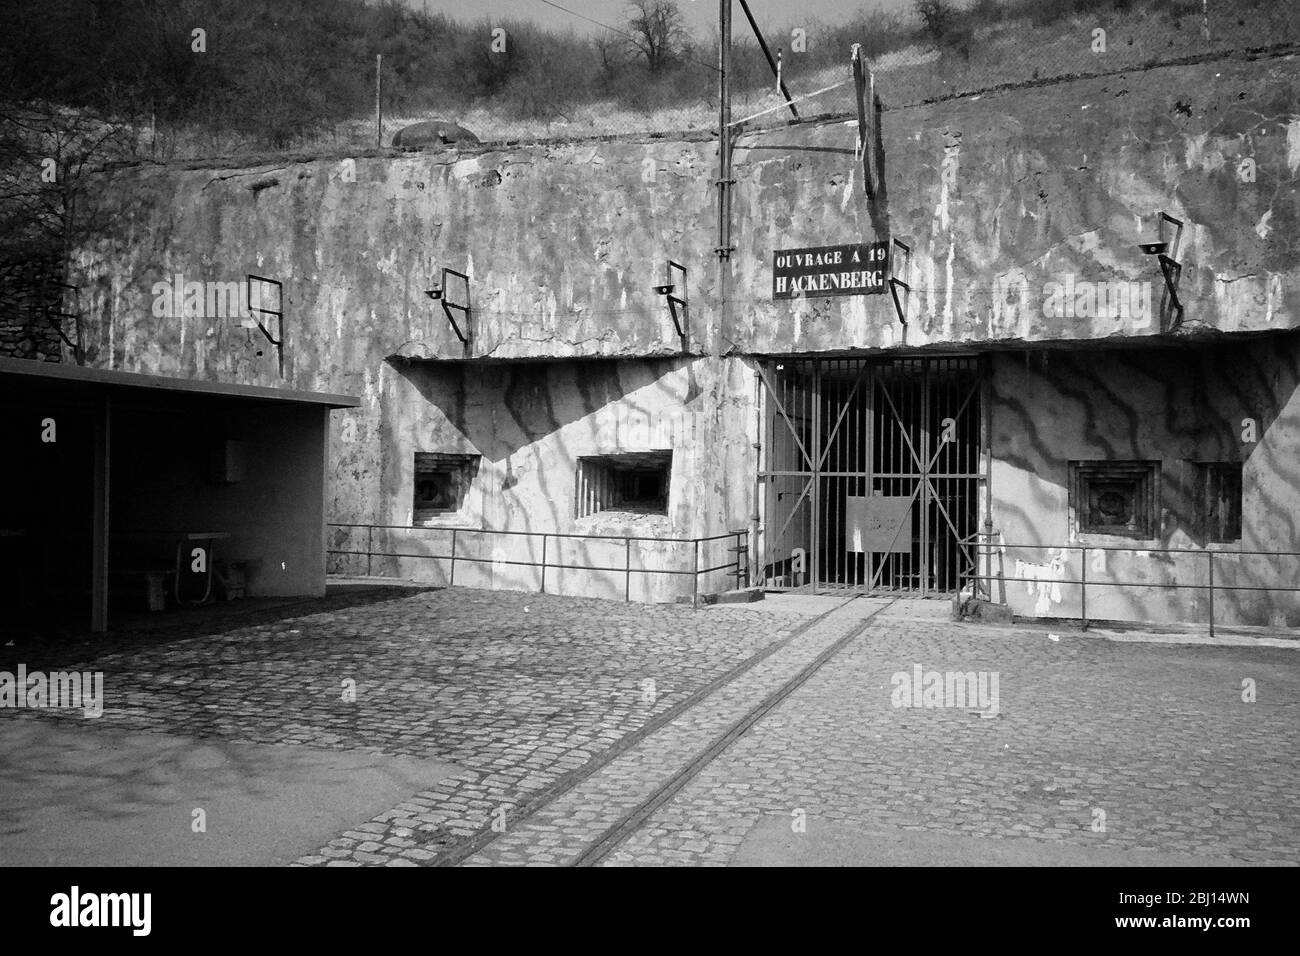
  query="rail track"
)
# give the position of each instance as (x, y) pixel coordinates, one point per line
(628, 823)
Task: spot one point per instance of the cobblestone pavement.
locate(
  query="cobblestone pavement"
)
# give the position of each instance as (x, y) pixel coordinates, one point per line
(563, 716)
(515, 689)
(1157, 738)
(561, 831)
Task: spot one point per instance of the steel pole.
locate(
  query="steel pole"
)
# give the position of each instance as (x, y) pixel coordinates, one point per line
(451, 583)
(695, 576)
(544, 537)
(1083, 586)
(379, 110)
(1210, 555)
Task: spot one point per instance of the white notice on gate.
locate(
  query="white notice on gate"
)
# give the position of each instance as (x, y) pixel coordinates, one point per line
(878, 523)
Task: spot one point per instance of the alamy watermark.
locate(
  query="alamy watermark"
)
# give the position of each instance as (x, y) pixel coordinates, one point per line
(60, 689)
(76, 909)
(177, 298)
(922, 688)
(1066, 297)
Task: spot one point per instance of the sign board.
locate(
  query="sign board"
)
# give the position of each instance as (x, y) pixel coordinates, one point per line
(880, 523)
(858, 269)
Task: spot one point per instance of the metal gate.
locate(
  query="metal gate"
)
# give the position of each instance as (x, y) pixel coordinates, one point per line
(871, 474)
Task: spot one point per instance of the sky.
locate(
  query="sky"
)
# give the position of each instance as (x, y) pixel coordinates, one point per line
(701, 15)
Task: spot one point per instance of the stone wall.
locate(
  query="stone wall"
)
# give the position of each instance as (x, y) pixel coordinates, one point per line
(29, 292)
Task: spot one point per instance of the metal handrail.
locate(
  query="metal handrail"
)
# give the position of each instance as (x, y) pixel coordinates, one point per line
(991, 545)
(538, 534)
(740, 568)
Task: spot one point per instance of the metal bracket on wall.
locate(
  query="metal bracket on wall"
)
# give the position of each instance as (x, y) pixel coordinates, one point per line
(677, 304)
(864, 87)
(263, 286)
(1171, 268)
(460, 303)
(895, 283)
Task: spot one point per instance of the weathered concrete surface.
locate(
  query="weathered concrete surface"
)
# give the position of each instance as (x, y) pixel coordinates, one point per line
(998, 195)
(530, 422)
(1178, 407)
(564, 244)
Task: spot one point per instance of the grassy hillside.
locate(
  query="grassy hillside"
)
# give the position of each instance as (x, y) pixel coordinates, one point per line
(1020, 44)
(299, 74)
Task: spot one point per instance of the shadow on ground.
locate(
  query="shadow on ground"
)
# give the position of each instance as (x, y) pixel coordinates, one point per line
(17, 638)
(126, 798)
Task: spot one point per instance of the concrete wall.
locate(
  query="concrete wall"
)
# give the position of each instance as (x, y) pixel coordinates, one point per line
(1178, 406)
(530, 423)
(998, 195)
(275, 514)
(1001, 194)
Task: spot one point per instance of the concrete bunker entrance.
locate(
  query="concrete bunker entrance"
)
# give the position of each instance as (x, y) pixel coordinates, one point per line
(871, 473)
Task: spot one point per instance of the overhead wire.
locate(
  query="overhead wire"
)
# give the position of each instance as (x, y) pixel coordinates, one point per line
(624, 33)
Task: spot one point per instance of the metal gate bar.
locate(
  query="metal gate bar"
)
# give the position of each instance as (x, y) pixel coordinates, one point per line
(910, 429)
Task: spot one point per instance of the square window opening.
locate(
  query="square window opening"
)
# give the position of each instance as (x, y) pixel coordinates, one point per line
(1219, 489)
(441, 483)
(1120, 498)
(632, 482)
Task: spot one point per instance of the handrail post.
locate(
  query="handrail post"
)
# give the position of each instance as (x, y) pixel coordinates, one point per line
(742, 547)
(370, 546)
(956, 597)
(1083, 586)
(1210, 555)
(627, 570)
(983, 583)
(736, 552)
(544, 537)
(452, 582)
(749, 565)
(695, 575)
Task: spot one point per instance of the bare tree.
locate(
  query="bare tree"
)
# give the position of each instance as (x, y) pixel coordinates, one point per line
(608, 49)
(657, 30)
(47, 156)
(936, 18)
(948, 27)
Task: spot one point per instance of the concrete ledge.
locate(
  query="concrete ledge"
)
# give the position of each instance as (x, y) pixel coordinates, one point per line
(742, 596)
